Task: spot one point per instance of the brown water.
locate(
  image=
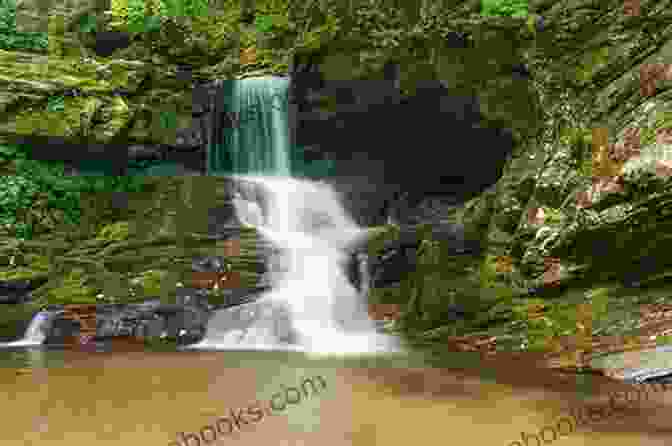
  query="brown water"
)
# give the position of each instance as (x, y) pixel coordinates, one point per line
(134, 398)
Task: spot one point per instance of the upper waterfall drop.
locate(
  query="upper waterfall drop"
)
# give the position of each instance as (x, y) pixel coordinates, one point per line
(255, 128)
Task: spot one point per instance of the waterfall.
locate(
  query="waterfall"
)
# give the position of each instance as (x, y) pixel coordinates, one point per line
(36, 333)
(364, 274)
(254, 136)
(305, 219)
(309, 224)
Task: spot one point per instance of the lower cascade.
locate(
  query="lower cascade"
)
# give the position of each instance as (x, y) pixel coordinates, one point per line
(36, 332)
(312, 305)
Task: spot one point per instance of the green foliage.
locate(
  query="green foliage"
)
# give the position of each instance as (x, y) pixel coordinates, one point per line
(664, 340)
(553, 216)
(505, 8)
(662, 119)
(10, 39)
(88, 23)
(184, 8)
(47, 183)
(138, 19)
(56, 104)
(168, 120)
(16, 193)
(557, 319)
(264, 23)
(145, 15)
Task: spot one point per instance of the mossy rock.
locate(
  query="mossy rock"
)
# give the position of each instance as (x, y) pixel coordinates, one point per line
(22, 273)
(150, 282)
(37, 267)
(118, 232)
(73, 288)
(592, 63)
(662, 119)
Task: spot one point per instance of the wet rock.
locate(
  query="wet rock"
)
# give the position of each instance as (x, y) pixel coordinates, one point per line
(61, 331)
(207, 264)
(144, 152)
(192, 297)
(18, 291)
(371, 140)
(184, 73)
(398, 257)
(222, 221)
(152, 319)
(105, 43)
(255, 323)
(189, 138)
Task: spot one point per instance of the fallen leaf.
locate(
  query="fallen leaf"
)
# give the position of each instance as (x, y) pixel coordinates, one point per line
(664, 168)
(583, 199)
(248, 56)
(632, 8)
(664, 136)
(535, 216)
(504, 264)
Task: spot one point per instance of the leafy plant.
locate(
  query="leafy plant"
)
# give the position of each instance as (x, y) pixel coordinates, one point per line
(136, 15)
(146, 15)
(168, 120)
(88, 23)
(56, 104)
(16, 193)
(264, 23)
(44, 190)
(10, 39)
(505, 8)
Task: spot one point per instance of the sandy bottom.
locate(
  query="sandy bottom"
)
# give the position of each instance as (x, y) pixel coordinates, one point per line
(135, 398)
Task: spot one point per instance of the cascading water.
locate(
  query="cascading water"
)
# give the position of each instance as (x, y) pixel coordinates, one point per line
(311, 226)
(36, 332)
(312, 305)
(255, 136)
(326, 312)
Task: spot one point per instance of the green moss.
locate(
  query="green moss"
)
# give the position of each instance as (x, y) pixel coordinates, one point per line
(73, 289)
(117, 232)
(662, 119)
(22, 273)
(115, 116)
(67, 121)
(379, 236)
(150, 282)
(592, 63)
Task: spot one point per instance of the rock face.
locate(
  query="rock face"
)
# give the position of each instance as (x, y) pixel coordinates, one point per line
(185, 320)
(379, 140)
(254, 324)
(458, 155)
(18, 291)
(399, 257)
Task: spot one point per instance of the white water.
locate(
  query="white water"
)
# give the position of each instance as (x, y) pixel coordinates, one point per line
(35, 333)
(308, 223)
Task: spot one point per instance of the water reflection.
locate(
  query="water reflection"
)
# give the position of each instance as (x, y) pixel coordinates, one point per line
(31, 358)
(74, 397)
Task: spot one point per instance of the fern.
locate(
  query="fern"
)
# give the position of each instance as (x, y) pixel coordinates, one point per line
(10, 39)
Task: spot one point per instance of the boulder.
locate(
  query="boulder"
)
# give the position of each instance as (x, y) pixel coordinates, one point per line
(18, 291)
